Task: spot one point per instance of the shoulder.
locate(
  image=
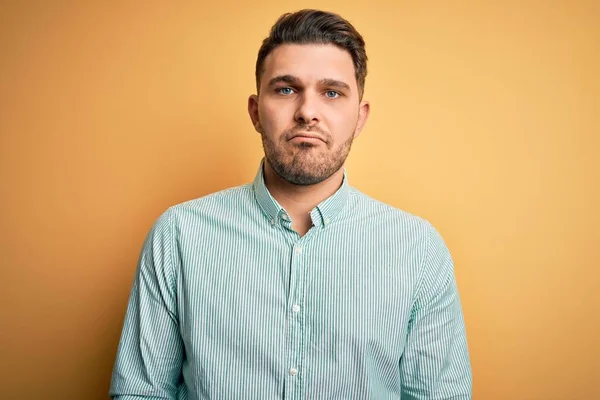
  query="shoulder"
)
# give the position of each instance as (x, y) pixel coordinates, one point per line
(218, 205)
(224, 201)
(379, 212)
(397, 223)
(226, 197)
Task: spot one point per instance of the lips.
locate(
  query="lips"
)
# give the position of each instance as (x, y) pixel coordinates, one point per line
(308, 136)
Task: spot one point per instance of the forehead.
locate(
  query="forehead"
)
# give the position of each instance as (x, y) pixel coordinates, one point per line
(310, 63)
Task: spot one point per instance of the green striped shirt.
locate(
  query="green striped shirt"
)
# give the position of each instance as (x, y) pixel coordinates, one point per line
(229, 302)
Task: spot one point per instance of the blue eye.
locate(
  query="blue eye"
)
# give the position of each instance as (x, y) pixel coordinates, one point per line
(285, 90)
(332, 94)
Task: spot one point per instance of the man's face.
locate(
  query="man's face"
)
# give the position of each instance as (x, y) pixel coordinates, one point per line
(308, 111)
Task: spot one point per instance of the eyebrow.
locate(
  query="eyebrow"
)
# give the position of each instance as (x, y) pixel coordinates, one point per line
(334, 83)
(284, 78)
(290, 79)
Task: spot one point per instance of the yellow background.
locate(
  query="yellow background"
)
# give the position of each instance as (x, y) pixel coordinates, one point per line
(485, 120)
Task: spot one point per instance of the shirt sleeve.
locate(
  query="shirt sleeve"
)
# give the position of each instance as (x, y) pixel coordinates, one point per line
(435, 364)
(150, 353)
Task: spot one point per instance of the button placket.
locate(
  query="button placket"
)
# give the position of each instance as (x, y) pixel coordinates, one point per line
(296, 318)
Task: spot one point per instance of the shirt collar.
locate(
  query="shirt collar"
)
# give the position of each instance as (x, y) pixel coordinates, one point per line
(322, 215)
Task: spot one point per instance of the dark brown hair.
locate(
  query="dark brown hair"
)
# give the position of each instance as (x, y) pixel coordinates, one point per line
(316, 27)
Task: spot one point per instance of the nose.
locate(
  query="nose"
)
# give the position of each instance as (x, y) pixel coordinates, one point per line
(307, 112)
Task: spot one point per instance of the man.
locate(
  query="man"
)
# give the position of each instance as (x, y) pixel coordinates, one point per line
(297, 285)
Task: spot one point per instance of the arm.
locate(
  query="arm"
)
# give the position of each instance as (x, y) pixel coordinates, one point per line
(435, 363)
(150, 353)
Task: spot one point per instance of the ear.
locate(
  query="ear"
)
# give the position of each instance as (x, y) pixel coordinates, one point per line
(363, 114)
(253, 112)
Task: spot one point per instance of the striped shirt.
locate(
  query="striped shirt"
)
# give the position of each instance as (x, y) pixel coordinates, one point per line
(229, 302)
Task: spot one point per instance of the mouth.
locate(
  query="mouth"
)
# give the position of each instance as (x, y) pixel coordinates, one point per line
(306, 137)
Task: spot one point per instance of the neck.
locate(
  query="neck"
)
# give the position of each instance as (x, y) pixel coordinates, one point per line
(300, 200)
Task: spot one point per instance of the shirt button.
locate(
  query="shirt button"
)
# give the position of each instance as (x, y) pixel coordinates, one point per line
(326, 221)
(296, 308)
(285, 217)
(298, 250)
(293, 371)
